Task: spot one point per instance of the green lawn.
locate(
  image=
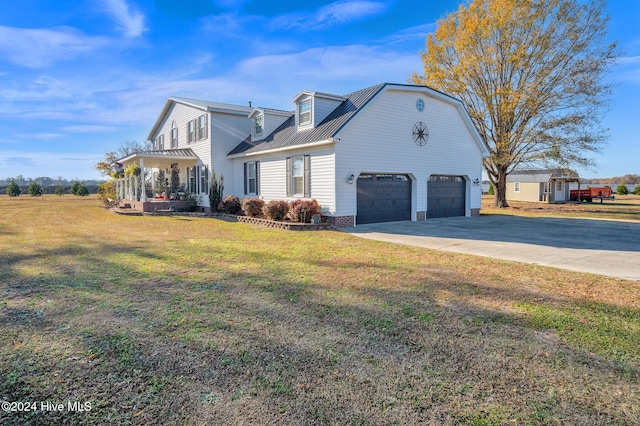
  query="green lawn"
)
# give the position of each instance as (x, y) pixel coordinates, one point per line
(177, 320)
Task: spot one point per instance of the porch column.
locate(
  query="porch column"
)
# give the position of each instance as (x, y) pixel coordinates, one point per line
(129, 191)
(143, 196)
(135, 188)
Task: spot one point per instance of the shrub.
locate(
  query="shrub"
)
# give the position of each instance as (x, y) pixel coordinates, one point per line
(13, 190)
(636, 190)
(216, 191)
(79, 189)
(252, 206)
(106, 192)
(60, 191)
(302, 210)
(622, 190)
(276, 210)
(230, 205)
(35, 190)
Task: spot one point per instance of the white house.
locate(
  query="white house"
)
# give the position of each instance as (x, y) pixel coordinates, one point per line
(385, 153)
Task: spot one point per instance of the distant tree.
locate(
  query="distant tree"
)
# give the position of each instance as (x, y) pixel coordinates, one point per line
(76, 187)
(59, 191)
(13, 190)
(622, 190)
(531, 76)
(636, 190)
(35, 190)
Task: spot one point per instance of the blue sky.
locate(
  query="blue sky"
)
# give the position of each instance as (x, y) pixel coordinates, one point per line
(79, 77)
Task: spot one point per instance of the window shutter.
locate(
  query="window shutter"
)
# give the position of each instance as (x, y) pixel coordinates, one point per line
(246, 177)
(307, 175)
(206, 125)
(289, 190)
(257, 178)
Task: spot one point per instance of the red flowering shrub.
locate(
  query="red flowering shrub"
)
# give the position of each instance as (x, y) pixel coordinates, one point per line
(302, 210)
(252, 206)
(276, 210)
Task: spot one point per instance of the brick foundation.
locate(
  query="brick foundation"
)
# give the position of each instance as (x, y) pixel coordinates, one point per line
(421, 216)
(341, 221)
(475, 212)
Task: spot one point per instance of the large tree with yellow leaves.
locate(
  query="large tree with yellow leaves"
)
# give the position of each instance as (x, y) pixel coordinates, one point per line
(531, 74)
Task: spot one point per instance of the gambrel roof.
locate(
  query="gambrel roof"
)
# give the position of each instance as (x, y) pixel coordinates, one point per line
(288, 135)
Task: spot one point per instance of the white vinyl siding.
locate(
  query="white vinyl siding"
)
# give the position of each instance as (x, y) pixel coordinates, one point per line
(386, 123)
(273, 180)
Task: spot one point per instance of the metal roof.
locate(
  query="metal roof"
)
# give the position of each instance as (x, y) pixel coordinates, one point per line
(543, 175)
(287, 134)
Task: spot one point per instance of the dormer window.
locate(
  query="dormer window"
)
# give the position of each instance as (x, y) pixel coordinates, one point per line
(259, 122)
(304, 112)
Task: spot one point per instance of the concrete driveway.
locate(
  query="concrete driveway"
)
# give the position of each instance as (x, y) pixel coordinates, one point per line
(597, 246)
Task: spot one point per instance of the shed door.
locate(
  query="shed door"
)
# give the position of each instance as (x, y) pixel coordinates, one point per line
(445, 196)
(383, 197)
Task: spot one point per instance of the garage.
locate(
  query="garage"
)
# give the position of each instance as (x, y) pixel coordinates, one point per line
(383, 197)
(445, 196)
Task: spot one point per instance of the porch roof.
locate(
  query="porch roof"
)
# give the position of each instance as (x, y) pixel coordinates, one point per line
(160, 158)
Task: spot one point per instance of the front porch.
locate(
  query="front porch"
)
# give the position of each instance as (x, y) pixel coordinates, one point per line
(141, 194)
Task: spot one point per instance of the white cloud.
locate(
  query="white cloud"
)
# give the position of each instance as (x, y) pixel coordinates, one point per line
(39, 135)
(40, 47)
(88, 128)
(130, 21)
(334, 14)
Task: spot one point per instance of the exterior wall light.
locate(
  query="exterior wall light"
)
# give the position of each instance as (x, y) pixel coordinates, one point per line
(351, 179)
(476, 181)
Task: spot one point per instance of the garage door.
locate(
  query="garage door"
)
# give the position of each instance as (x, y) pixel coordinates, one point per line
(383, 197)
(445, 196)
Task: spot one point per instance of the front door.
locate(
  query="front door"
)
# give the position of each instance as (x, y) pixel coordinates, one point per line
(559, 195)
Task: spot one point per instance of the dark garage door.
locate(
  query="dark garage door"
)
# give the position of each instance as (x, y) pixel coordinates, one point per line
(445, 196)
(383, 198)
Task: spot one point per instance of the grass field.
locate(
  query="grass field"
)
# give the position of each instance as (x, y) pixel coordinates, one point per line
(176, 320)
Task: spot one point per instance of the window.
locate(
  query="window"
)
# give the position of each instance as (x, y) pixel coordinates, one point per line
(204, 179)
(251, 178)
(298, 176)
(174, 135)
(202, 127)
(191, 131)
(298, 182)
(516, 186)
(559, 185)
(160, 142)
(258, 125)
(304, 112)
(191, 172)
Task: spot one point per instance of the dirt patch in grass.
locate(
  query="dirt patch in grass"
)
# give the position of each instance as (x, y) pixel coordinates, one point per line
(155, 320)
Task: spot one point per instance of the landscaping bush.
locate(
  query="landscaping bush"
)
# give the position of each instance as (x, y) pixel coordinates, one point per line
(230, 205)
(622, 190)
(252, 206)
(106, 192)
(302, 210)
(276, 210)
(35, 190)
(13, 190)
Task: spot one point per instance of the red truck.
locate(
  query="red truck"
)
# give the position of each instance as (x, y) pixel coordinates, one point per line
(590, 193)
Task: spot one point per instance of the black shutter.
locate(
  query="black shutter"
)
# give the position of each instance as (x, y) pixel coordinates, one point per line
(307, 175)
(289, 191)
(257, 178)
(246, 175)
